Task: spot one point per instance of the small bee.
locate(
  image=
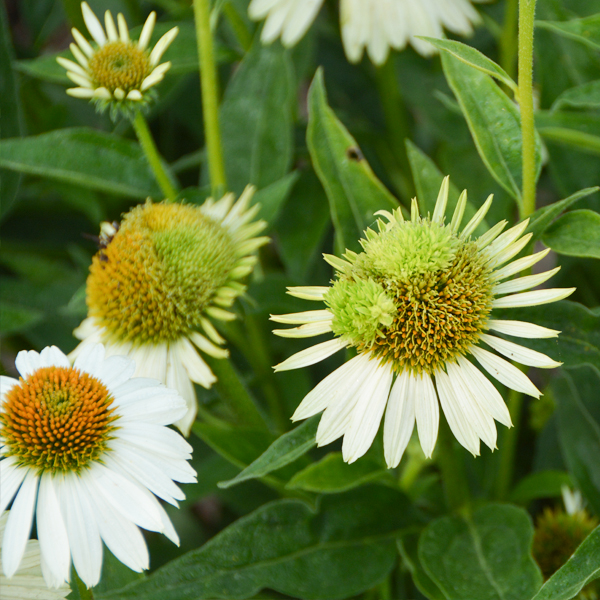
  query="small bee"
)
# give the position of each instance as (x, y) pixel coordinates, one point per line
(107, 233)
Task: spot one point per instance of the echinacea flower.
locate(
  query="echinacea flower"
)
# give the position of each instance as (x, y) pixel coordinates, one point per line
(376, 25)
(417, 305)
(116, 72)
(85, 449)
(159, 281)
(28, 582)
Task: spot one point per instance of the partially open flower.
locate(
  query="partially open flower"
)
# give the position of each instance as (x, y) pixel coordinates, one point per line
(417, 305)
(116, 72)
(159, 280)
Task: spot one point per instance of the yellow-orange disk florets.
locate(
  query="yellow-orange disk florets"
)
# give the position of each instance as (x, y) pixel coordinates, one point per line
(119, 65)
(58, 419)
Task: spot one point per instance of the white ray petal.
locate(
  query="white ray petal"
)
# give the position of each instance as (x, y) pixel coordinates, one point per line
(535, 298)
(310, 316)
(111, 30)
(6, 384)
(519, 265)
(311, 355)
(524, 283)
(308, 293)
(520, 354)
(459, 211)
(80, 92)
(93, 24)
(82, 43)
(147, 31)
(521, 329)
(504, 372)
(11, 478)
(440, 205)
(427, 412)
(204, 344)
(510, 252)
(82, 81)
(399, 420)
(123, 29)
(506, 239)
(304, 331)
(72, 66)
(472, 225)
(79, 55)
(27, 362)
(162, 45)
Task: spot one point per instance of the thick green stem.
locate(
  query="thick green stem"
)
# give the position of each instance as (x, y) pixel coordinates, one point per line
(454, 478)
(508, 447)
(84, 592)
(508, 40)
(210, 96)
(164, 180)
(526, 23)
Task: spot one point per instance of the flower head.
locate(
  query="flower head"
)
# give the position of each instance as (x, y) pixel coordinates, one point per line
(416, 304)
(116, 72)
(28, 582)
(86, 447)
(374, 25)
(161, 278)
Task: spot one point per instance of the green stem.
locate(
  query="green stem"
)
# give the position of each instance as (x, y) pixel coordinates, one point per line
(396, 120)
(454, 478)
(526, 23)
(84, 592)
(210, 96)
(508, 39)
(509, 446)
(164, 180)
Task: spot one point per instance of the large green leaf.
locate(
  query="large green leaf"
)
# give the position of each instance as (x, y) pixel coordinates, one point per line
(256, 118)
(493, 120)
(353, 191)
(586, 30)
(576, 233)
(332, 475)
(483, 556)
(579, 432)
(281, 452)
(85, 157)
(579, 570)
(408, 546)
(586, 95)
(543, 484)
(9, 111)
(338, 551)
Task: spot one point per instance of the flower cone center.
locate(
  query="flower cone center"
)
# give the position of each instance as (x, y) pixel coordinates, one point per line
(417, 297)
(159, 272)
(58, 419)
(119, 65)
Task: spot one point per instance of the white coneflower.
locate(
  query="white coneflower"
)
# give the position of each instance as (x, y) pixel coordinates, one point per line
(376, 25)
(417, 305)
(116, 72)
(163, 275)
(84, 448)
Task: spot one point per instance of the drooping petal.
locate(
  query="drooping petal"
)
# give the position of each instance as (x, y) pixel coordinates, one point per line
(311, 355)
(427, 412)
(399, 420)
(518, 353)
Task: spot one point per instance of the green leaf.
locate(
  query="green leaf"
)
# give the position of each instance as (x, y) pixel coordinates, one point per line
(408, 548)
(14, 319)
(331, 475)
(579, 433)
(473, 58)
(576, 233)
(256, 118)
(85, 157)
(493, 120)
(541, 218)
(428, 180)
(9, 111)
(335, 552)
(544, 484)
(273, 197)
(578, 571)
(281, 452)
(586, 142)
(586, 95)
(353, 191)
(586, 30)
(483, 556)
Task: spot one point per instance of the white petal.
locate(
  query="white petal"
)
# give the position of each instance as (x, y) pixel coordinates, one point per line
(524, 283)
(156, 438)
(427, 412)
(521, 329)
(151, 361)
(510, 252)
(82, 81)
(79, 55)
(442, 199)
(366, 415)
(111, 30)
(311, 355)
(27, 362)
(519, 265)
(80, 92)
(308, 293)
(11, 477)
(123, 29)
(162, 45)
(93, 24)
(147, 31)
(178, 379)
(399, 420)
(6, 384)
(506, 239)
(310, 316)
(90, 360)
(135, 95)
(204, 344)
(115, 371)
(522, 355)
(305, 331)
(71, 66)
(472, 225)
(504, 372)
(82, 43)
(160, 406)
(102, 93)
(19, 524)
(299, 20)
(196, 368)
(151, 80)
(535, 298)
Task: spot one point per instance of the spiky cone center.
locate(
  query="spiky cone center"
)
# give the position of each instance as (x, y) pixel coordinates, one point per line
(58, 419)
(417, 297)
(557, 535)
(158, 274)
(119, 65)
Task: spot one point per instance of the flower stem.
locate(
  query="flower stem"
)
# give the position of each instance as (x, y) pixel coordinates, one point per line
(210, 96)
(164, 180)
(454, 477)
(525, 67)
(84, 592)
(508, 39)
(509, 446)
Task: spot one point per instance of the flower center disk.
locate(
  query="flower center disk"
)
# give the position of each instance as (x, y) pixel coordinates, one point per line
(417, 297)
(119, 65)
(153, 281)
(58, 419)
